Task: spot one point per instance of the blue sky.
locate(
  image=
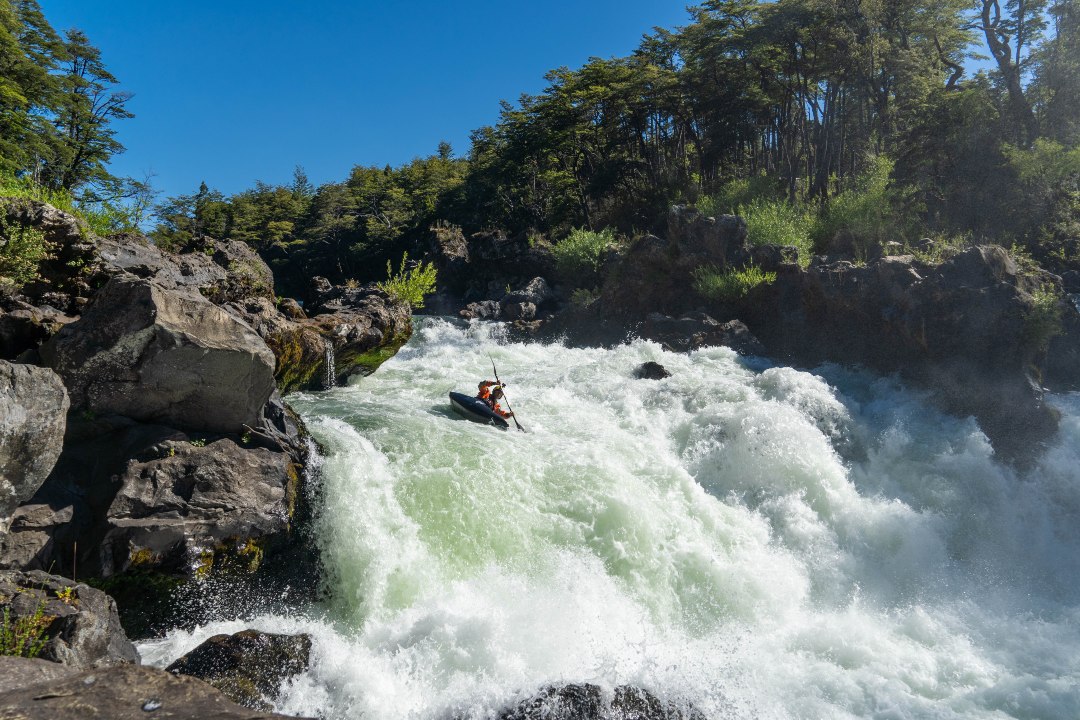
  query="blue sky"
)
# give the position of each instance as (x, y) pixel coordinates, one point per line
(235, 91)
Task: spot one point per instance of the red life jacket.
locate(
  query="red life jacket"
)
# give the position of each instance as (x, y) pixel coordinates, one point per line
(485, 390)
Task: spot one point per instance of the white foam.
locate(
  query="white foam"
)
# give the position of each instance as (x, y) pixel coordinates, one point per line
(760, 541)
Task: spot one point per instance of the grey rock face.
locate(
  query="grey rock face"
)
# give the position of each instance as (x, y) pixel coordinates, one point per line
(248, 666)
(83, 626)
(33, 415)
(162, 355)
(175, 511)
(126, 692)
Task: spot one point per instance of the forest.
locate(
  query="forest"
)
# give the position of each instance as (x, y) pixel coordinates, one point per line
(833, 125)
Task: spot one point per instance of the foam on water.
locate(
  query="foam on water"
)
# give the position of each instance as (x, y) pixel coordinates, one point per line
(760, 541)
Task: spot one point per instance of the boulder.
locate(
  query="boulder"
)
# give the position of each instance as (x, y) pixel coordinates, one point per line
(33, 412)
(195, 504)
(962, 328)
(590, 702)
(125, 692)
(23, 327)
(79, 625)
(651, 371)
(483, 310)
(696, 330)
(18, 672)
(361, 327)
(135, 497)
(248, 666)
(159, 355)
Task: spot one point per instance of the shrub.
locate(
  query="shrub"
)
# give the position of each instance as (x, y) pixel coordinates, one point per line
(936, 249)
(22, 249)
(775, 222)
(579, 254)
(731, 284)
(862, 216)
(410, 284)
(1043, 319)
(735, 194)
(24, 636)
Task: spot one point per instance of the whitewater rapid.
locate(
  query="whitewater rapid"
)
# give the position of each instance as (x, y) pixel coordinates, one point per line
(759, 541)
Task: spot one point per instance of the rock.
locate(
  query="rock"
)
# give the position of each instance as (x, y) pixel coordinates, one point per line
(960, 328)
(483, 310)
(80, 623)
(18, 672)
(447, 249)
(23, 327)
(589, 702)
(291, 309)
(196, 505)
(150, 508)
(33, 412)
(536, 291)
(126, 692)
(654, 274)
(1070, 281)
(696, 330)
(248, 666)
(364, 326)
(161, 355)
(651, 371)
(517, 310)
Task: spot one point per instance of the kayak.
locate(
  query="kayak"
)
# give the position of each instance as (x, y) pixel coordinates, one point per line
(475, 409)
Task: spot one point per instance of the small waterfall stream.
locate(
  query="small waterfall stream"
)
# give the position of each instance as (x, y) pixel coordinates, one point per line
(331, 371)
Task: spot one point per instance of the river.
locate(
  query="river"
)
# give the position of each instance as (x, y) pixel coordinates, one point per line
(760, 541)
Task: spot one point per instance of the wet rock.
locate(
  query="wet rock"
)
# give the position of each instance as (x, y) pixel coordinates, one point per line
(517, 310)
(364, 326)
(248, 666)
(186, 509)
(651, 371)
(161, 355)
(697, 330)
(80, 625)
(962, 328)
(483, 310)
(126, 692)
(33, 411)
(589, 702)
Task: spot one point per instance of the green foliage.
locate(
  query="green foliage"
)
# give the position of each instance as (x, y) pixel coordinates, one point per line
(729, 285)
(861, 217)
(21, 251)
(1043, 320)
(776, 222)
(738, 193)
(24, 636)
(938, 248)
(579, 254)
(410, 284)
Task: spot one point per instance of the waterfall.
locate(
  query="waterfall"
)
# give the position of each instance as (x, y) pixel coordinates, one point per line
(330, 380)
(758, 540)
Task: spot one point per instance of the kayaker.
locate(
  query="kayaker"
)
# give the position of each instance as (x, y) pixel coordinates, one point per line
(484, 389)
(493, 402)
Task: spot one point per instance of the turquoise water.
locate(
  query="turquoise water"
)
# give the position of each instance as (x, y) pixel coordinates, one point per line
(757, 540)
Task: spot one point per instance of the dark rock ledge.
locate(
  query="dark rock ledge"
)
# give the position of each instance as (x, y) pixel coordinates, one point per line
(146, 450)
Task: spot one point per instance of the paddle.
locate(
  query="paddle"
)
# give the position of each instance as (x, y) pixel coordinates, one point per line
(504, 394)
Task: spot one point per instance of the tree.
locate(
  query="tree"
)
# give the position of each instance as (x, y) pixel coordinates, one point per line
(84, 141)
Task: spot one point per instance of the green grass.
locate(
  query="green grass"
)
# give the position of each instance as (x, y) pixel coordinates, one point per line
(776, 222)
(729, 285)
